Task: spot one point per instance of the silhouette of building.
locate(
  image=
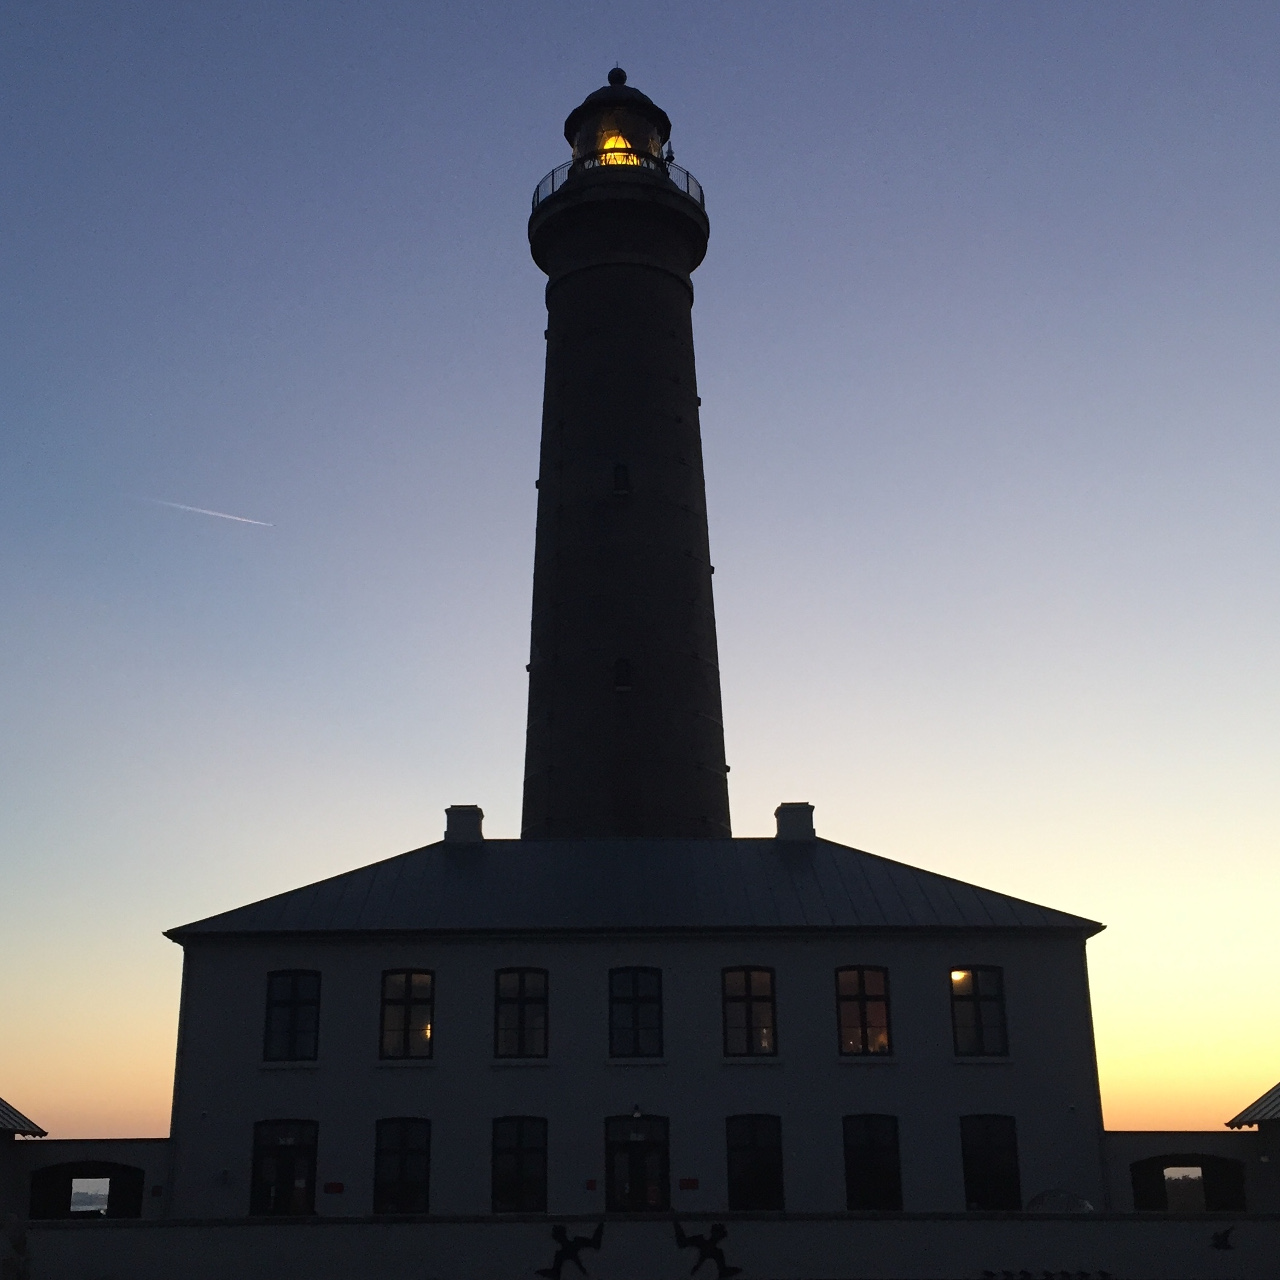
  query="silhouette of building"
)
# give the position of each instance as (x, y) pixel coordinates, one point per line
(807, 1055)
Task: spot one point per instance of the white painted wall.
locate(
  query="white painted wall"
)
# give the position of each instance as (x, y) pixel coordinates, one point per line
(1049, 1081)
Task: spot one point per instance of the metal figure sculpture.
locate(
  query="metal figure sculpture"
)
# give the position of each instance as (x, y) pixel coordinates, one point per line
(709, 1249)
(569, 1250)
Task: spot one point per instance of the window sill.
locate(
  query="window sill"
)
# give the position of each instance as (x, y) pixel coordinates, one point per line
(400, 1064)
(867, 1060)
(301, 1064)
(976, 1061)
(635, 1062)
(504, 1064)
(752, 1060)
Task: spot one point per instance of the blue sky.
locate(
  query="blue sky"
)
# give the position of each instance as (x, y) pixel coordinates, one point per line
(987, 344)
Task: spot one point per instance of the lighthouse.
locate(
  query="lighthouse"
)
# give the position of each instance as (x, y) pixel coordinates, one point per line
(625, 735)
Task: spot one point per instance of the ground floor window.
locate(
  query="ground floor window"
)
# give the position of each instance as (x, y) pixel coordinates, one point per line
(284, 1167)
(520, 1164)
(989, 1149)
(754, 1148)
(872, 1169)
(637, 1176)
(87, 1188)
(1188, 1182)
(402, 1166)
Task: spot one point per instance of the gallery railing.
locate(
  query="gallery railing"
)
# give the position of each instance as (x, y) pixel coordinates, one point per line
(558, 176)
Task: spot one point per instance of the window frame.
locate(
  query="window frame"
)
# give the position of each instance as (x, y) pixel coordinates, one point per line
(401, 1149)
(975, 1130)
(407, 1003)
(742, 1181)
(861, 999)
(522, 1003)
(635, 1002)
(633, 1146)
(261, 1148)
(536, 1203)
(748, 1000)
(891, 1203)
(984, 1030)
(293, 1005)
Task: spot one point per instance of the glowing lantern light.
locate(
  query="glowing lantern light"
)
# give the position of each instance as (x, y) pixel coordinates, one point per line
(615, 149)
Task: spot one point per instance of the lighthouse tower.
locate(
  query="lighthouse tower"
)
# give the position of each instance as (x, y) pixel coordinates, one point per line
(625, 736)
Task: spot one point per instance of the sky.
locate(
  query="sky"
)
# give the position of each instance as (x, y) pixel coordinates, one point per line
(987, 348)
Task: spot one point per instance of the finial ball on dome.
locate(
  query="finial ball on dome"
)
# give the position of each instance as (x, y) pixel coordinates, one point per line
(617, 76)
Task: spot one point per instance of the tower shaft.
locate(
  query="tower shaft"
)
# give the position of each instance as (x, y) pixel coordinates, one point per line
(624, 732)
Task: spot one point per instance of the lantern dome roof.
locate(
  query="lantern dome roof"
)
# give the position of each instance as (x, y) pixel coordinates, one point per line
(618, 95)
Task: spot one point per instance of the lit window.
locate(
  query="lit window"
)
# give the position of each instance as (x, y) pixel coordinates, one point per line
(862, 1006)
(408, 1005)
(977, 1012)
(520, 1164)
(293, 1016)
(635, 1013)
(754, 1149)
(749, 1022)
(402, 1165)
(520, 1014)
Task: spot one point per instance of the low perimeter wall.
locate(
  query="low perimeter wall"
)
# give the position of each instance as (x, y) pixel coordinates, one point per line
(897, 1247)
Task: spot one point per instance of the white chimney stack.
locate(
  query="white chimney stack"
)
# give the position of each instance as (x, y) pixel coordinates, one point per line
(462, 823)
(795, 822)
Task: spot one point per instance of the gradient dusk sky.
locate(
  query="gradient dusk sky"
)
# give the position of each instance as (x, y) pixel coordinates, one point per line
(987, 346)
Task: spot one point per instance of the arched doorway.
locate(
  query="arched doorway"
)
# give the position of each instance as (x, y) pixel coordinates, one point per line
(52, 1188)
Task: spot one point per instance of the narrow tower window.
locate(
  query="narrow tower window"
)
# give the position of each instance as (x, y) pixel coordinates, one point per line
(862, 1007)
(408, 1002)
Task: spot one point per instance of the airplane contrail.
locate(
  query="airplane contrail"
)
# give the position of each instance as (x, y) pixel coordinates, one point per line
(204, 511)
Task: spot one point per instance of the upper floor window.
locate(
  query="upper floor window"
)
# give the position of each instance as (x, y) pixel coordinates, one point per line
(402, 1165)
(520, 1014)
(754, 1148)
(977, 1012)
(635, 1013)
(293, 1016)
(408, 1008)
(283, 1176)
(520, 1164)
(862, 1004)
(749, 1021)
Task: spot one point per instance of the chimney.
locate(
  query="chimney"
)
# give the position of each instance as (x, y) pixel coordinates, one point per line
(795, 822)
(462, 824)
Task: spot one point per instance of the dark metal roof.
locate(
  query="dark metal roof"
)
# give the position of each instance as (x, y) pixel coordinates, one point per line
(637, 884)
(12, 1121)
(1267, 1107)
